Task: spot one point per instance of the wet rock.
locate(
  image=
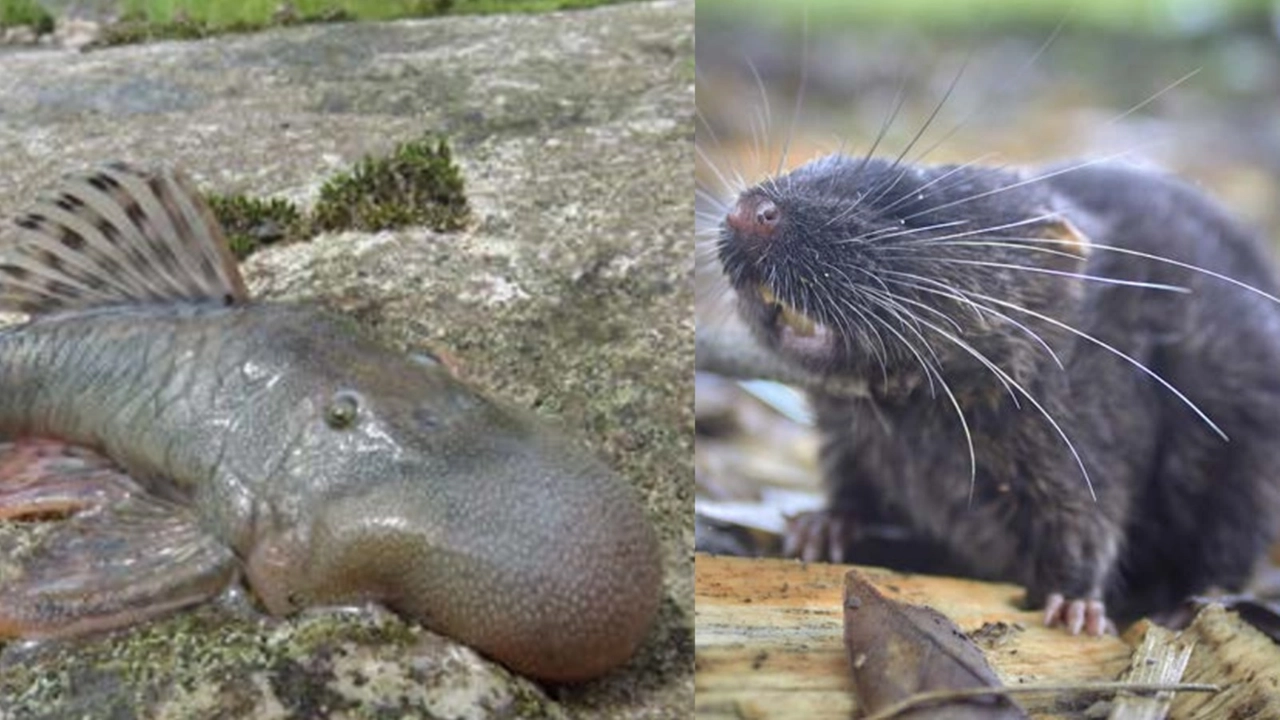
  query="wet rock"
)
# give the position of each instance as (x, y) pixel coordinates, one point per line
(325, 663)
(19, 35)
(76, 33)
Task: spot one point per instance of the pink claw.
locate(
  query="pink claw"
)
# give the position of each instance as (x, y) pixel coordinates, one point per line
(1089, 616)
(815, 537)
(1052, 607)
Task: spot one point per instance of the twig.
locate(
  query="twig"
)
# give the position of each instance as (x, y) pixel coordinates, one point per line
(938, 696)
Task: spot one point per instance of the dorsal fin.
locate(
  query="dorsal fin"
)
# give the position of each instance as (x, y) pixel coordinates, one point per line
(117, 236)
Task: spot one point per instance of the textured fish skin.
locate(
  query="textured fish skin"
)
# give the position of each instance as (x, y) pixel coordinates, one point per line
(340, 471)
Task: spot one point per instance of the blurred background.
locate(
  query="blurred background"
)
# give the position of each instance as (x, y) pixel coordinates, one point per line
(1192, 86)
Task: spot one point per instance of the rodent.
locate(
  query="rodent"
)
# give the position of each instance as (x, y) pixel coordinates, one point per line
(912, 284)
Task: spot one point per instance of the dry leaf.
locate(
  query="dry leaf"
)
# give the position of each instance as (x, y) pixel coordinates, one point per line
(898, 651)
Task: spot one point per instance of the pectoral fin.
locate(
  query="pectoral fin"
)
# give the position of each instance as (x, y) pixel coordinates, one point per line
(117, 556)
(45, 478)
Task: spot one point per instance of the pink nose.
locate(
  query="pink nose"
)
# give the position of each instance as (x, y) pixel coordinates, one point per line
(754, 216)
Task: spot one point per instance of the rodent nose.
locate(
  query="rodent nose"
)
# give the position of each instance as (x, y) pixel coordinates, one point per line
(754, 216)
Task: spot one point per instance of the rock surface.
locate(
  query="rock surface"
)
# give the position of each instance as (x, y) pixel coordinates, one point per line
(571, 293)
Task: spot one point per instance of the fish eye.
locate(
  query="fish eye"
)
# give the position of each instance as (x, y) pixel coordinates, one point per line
(341, 411)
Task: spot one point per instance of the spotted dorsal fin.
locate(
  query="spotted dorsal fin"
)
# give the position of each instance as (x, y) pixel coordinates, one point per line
(117, 236)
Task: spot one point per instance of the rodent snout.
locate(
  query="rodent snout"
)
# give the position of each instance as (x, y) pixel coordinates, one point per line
(754, 216)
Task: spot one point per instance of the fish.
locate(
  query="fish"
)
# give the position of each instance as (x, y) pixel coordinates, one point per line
(179, 437)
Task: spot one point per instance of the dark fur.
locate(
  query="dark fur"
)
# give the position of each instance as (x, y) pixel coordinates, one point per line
(1178, 510)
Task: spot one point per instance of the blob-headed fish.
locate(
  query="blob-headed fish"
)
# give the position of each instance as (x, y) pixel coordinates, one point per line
(188, 434)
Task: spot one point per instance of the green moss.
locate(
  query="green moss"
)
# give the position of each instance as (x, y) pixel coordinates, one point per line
(481, 7)
(25, 12)
(417, 184)
(146, 20)
(251, 223)
(137, 27)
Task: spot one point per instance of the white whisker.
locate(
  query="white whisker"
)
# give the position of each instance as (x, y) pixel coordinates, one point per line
(1113, 350)
(954, 294)
(1059, 273)
(1151, 99)
(1008, 380)
(935, 181)
(1148, 256)
(877, 235)
(1028, 181)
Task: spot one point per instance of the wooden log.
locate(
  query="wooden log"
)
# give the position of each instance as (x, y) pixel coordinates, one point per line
(769, 638)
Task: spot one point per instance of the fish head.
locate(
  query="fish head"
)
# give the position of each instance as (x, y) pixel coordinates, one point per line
(407, 487)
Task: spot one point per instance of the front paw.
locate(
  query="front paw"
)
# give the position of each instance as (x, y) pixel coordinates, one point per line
(818, 536)
(1077, 614)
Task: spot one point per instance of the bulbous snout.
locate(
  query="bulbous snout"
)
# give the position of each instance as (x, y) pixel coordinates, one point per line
(542, 559)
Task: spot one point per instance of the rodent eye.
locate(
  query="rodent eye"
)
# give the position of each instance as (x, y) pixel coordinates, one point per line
(341, 411)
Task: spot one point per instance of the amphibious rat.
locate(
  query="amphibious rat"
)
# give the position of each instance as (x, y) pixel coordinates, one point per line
(1066, 377)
